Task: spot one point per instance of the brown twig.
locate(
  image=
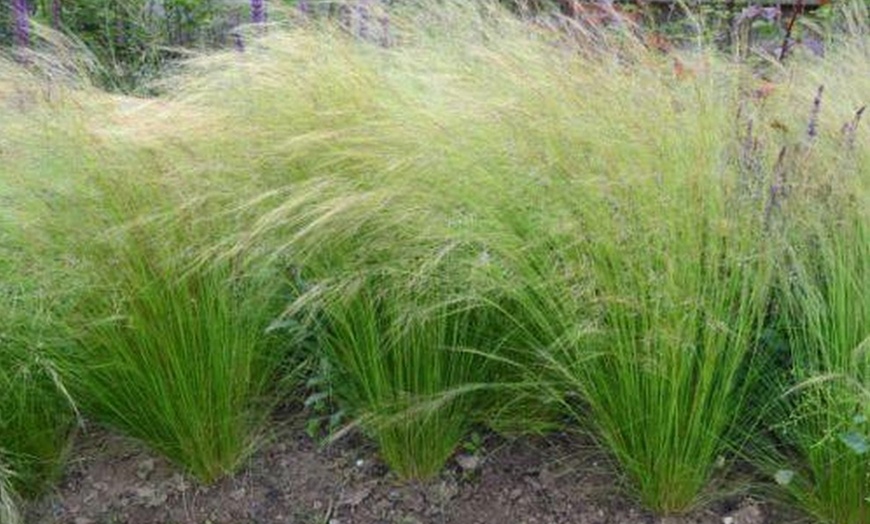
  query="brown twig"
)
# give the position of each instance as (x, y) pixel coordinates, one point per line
(798, 9)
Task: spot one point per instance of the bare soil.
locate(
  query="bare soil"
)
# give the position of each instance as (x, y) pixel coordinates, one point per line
(293, 480)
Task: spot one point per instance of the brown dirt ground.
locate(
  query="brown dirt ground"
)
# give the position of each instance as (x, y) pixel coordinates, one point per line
(293, 480)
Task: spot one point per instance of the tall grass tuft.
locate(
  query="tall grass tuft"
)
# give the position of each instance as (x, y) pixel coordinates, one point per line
(168, 346)
(402, 369)
(664, 283)
(597, 216)
(172, 348)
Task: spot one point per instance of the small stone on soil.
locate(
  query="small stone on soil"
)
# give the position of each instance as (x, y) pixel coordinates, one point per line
(468, 462)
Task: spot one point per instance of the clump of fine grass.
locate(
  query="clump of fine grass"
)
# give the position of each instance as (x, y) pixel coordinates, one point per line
(400, 361)
(166, 346)
(172, 348)
(659, 289)
(181, 361)
(596, 202)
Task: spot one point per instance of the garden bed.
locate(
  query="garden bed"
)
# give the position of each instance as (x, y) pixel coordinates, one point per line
(293, 480)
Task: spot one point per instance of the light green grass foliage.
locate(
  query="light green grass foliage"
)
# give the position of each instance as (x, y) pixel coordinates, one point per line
(37, 416)
(595, 208)
(36, 412)
(487, 215)
(596, 197)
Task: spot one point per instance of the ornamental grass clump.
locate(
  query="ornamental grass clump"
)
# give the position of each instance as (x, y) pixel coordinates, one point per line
(659, 265)
(402, 368)
(587, 206)
(165, 345)
(171, 347)
(597, 213)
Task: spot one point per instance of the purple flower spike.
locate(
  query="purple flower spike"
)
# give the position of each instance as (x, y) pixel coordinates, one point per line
(771, 14)
(778, 189)
(238, 42)
(56, 13)
(813, 126)
(362, 10)
(258, 11)
(304, 7)
(21, 12)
